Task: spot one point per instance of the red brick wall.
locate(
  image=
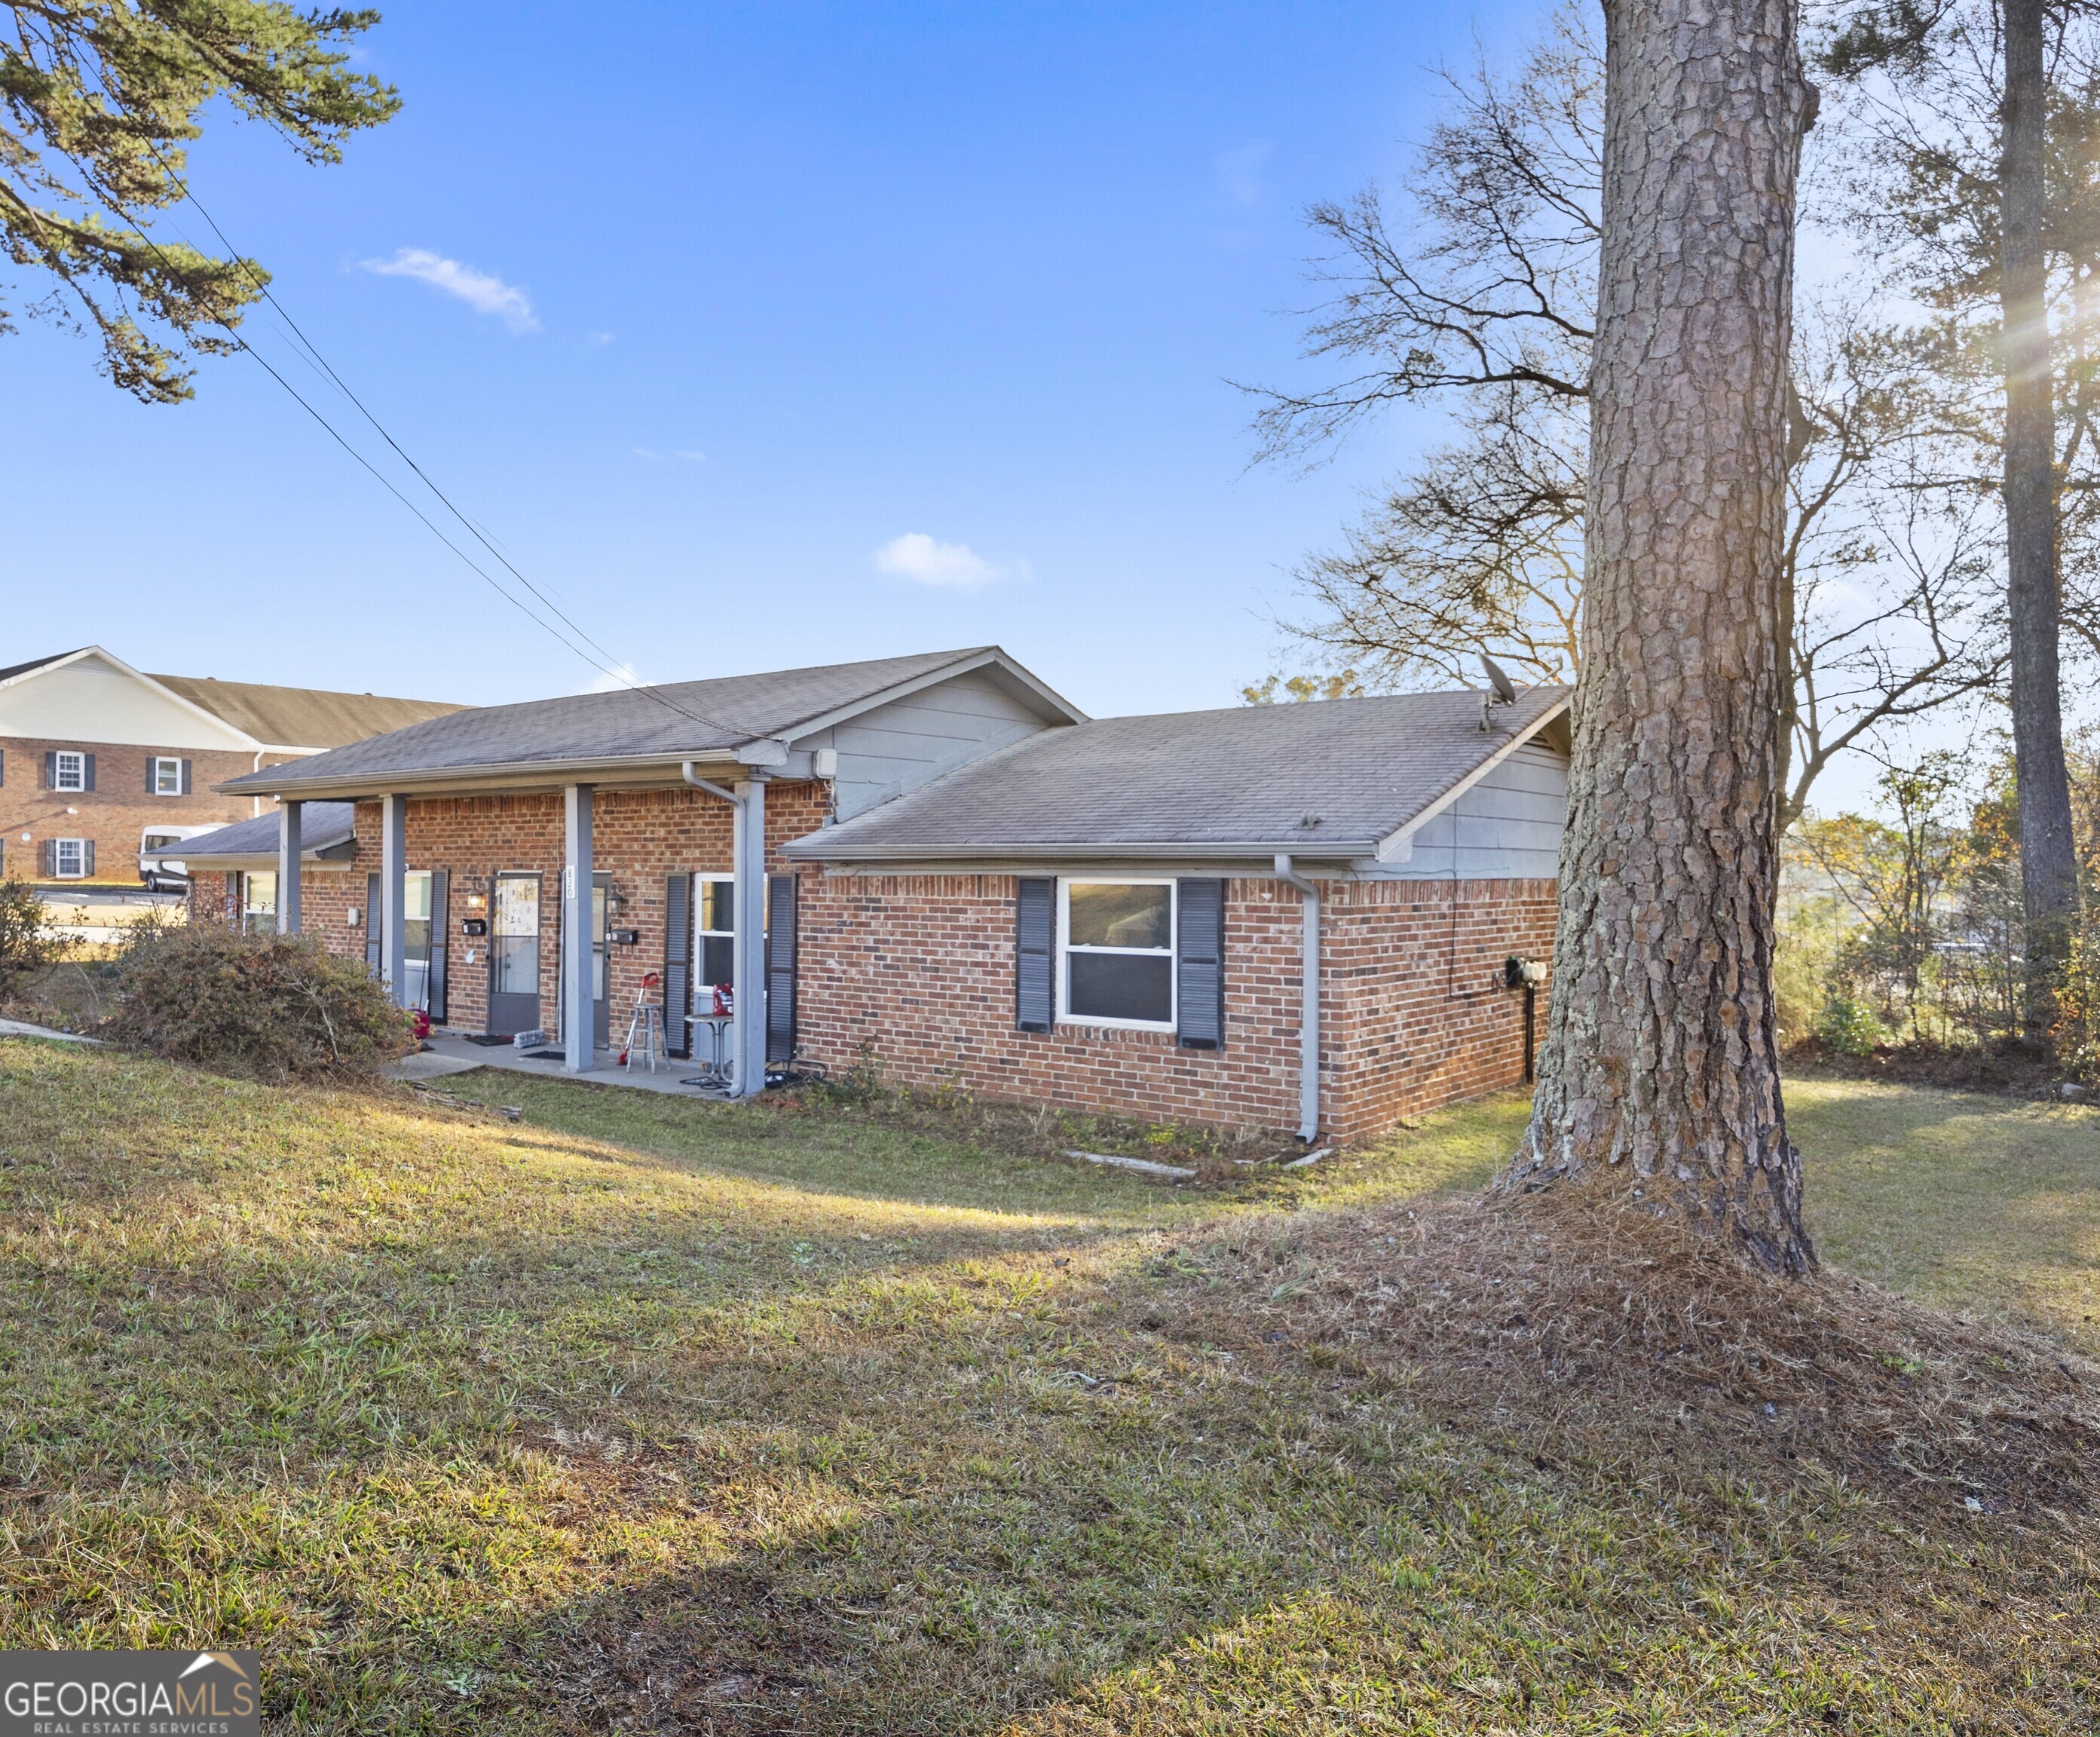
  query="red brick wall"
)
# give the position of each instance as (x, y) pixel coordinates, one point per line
(117, 811)
(640, 838)
(918, 969)
(1413, 1014)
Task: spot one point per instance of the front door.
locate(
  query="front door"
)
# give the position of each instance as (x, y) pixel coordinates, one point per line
(514, 955)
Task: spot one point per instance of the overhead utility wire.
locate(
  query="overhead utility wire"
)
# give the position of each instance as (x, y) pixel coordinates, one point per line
(612, 668)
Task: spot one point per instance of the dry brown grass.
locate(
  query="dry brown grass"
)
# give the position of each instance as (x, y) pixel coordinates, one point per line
(1591, 1324)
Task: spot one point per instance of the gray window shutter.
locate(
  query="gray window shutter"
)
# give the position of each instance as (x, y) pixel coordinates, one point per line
(1035, 943)
(1199, 964)
(50, 768)
(780, 914)
(677, 965)
(48, 858)
(152, 768)
(372, 924)
(87, 772)
(3, 766)
(87, 858)
(186, 778)
(441, 885)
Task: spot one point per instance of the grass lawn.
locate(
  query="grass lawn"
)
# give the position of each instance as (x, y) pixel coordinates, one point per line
(648, 1415)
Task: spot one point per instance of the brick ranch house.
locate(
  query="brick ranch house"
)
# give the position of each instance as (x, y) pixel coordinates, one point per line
(102, 766)
(936, 864)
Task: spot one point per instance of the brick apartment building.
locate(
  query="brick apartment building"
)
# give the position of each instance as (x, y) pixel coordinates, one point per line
(1293, 917)
(97, 757)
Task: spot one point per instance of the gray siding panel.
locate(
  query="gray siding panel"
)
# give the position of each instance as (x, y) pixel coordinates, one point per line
(1507, 827)
(910, 742)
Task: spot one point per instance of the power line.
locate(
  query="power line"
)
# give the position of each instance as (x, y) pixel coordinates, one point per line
(611, 667)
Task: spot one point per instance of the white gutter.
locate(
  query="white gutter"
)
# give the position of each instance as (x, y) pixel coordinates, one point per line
(1308, 1018)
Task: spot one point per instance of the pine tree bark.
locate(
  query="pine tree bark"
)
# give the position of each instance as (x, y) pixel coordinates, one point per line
(1662, 1063)
(2049, 861)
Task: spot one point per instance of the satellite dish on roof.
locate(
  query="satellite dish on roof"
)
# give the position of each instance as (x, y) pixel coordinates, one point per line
(1499, 680)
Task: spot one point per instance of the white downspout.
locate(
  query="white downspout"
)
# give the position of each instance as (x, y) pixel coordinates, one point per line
(1308, 1017)
(747, 1019)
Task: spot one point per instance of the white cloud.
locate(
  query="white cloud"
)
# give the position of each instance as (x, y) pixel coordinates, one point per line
(1239, 172)
(483, 292)
(917, 557)
(619, 677)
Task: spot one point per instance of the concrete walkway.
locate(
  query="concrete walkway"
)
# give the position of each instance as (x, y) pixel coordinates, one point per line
(451, 1054)
(21, 1028)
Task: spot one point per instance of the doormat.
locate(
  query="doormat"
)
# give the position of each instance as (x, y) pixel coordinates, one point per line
(486, 1043)
(546, 1055)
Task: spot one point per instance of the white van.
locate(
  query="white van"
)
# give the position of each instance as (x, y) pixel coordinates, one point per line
(160, 865)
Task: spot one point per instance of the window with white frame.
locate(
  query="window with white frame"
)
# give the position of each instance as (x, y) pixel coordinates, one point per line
(68, 771)
(167, 775)
(259, 902)
(714, 930)
(69, 858)
(1115, 952)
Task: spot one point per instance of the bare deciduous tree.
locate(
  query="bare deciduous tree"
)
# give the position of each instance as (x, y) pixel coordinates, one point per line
(1482, 305)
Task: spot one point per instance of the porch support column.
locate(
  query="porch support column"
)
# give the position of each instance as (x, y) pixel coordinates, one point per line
(748, 860)
(394, 896)
(578, 1013)
(287, 868)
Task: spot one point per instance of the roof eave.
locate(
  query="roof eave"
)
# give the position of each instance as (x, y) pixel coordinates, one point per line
(646, 770)
(813, 848)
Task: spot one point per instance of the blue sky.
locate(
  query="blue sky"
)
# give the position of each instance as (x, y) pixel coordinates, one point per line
(758, 335)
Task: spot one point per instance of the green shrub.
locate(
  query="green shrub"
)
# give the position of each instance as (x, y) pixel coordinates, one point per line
(1849, 1027)
(29, 941)
(269, 1007)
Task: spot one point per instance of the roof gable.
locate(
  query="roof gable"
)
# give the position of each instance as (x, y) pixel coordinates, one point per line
(93, 695)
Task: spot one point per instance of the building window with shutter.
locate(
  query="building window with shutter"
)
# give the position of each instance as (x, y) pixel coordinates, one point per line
(68, 771)
(1115, 953)
(167, 775)
(714, 934)
(71, 859)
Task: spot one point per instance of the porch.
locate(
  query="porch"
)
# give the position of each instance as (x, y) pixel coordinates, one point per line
(451, 1053)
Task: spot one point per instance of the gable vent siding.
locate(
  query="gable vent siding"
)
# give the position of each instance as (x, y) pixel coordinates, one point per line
(677, 965)
(1200, 964)
(780, 891)
(1035, 941)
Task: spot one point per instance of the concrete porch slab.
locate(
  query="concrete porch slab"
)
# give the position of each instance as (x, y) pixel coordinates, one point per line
(450, 1054)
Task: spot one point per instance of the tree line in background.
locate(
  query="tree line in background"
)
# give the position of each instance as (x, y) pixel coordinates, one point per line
(1895, 602)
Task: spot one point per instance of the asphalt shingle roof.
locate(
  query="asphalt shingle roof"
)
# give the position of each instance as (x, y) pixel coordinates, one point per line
(683, 719)
(302, 717)
(321, 825)
(1330, 777)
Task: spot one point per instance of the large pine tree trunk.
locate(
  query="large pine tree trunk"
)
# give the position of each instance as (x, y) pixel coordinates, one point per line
(1661, 1058)
(2049, 862)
